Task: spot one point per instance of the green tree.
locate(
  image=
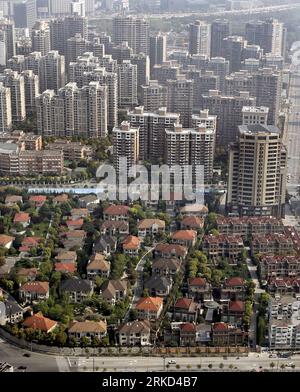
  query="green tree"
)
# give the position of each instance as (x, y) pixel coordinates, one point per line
(61, 338)
(84, 341)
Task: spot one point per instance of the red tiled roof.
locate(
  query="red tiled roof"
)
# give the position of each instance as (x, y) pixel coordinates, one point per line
(38, 321)
(38, 198)
(131, 242)
(188, 327)
(197, 281)
(183, 303)
(65, 267)
(36, 287)
(236, 306)
(220, 327)
(21, 217)
(116, 210)
(193, 221)
(235, 281)
(152, 304)
(184, 235)
(5, 239)
(75, 222)
(171, 248)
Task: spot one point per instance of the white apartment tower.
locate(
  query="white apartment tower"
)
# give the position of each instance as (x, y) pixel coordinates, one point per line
(127, 84)
(5, 109)
(125, 145)
(199, 38)
(257, 172)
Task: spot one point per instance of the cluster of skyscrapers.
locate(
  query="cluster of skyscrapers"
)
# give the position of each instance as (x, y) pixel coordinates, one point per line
(219, 90)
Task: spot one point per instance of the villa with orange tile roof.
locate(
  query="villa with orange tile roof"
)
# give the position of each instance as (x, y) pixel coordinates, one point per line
(116, 212)
(170, 251)
(199, 288)
(6, 241)
(29, 243)
(38, 321)
(131, 245)
(192, 222)
(184, 237)
(149, 308)
(34, 291)
(185, 309)
(65, 268)
(38, 200)
(23, 218)
(75, 224)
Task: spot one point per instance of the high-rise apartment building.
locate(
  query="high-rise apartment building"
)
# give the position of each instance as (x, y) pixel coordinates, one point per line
(127, 85)
(121, 52)
(268, 34)
(40, 38)
(166, 71)
(233, 51)
(5, 111)
(125, 145)
(264, 84)
(154, 96)
(203, 82)
(15, 82)
(199, 38)
(257, 172)
(50, 69)
(152, 127)
(177, 146)
(158, 49)
(133, 30)
(220, 29)
(73, 111)
(193, 146)
(7, 27)
(31, 85)
(228, 110)
(255, 115)
(25, 13)
(180, 98)
(202, 142)
(87, 69)
(142, 63)
(62, 29)
(76, 46)
(220, 67)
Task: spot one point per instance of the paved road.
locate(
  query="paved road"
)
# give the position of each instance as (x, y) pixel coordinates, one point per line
(294, 135)
(35, 363)
(142, 364)
(48, 363)
(137, 289)
(252, 268)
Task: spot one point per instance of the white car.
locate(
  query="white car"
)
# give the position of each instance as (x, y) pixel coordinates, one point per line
(290, 364)
(172, 362)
